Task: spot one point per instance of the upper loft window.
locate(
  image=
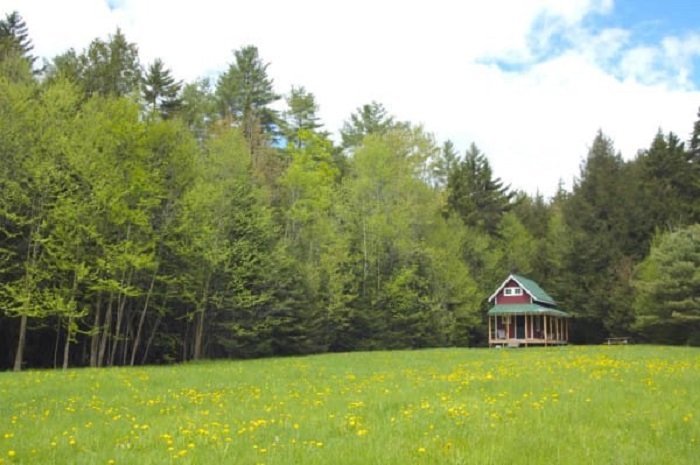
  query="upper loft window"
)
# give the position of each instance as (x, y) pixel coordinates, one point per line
(512, 291)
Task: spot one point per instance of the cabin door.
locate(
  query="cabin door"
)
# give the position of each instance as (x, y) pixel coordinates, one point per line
(520, 327)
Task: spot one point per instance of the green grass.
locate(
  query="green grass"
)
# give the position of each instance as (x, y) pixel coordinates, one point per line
(571, 405)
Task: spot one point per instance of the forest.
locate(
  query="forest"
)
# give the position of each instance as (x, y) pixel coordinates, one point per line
(144, 220)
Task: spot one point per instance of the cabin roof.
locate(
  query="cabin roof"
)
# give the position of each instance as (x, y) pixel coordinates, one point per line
(529, 309)
(530, 286)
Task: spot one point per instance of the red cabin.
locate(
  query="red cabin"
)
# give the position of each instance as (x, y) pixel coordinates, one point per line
(524, 314)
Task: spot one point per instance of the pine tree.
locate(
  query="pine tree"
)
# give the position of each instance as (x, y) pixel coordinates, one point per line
(368, 119)
(667, 284)
(301, 114)
(598, 217)
(160, 90)
(443, 164)
(245, 94)
(14, 38)
(474, 194)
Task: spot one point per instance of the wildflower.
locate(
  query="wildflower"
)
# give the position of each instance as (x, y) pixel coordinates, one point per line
(11, 453)
(421, 450)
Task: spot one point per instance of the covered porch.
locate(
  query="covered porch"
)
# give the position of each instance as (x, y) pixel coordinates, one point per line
(516, 325)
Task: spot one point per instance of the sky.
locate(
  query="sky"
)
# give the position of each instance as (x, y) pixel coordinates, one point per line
(529, 81)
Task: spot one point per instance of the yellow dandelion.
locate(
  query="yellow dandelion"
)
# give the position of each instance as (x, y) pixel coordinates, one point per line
(11, 453)
(421, 450)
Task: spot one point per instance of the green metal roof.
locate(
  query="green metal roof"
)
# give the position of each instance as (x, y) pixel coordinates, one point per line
(530, 309)
(534, 289)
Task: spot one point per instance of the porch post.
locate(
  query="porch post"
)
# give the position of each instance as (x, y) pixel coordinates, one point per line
(545, 330)
(558, 329)
(526, 332)
(490, 335)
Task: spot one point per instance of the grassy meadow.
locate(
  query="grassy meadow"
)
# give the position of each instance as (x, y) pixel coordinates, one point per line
(570, 405)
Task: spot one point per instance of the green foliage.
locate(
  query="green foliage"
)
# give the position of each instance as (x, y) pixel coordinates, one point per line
(371, 118)
(184, 230)
(475, 195)
(668, 285)
(301, 115)
(14, 39)
(198, 108)
(106, 68)
(245, 92)
(160, 90)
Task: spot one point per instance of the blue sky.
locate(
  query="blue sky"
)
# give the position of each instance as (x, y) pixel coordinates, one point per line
(529, 81)
(650, 21)
(645, 29)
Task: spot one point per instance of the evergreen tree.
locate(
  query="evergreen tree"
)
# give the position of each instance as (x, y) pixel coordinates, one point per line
(16, 62)
(668, 284)
(445, 161)
(160, 90)
(694, 148)
(666, 184)
(301, 114)
(245, 94)
(14, 38)
(370, 118)
(476, 195)
(598, 218)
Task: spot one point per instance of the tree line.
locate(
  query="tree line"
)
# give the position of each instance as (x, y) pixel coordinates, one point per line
(147, 220)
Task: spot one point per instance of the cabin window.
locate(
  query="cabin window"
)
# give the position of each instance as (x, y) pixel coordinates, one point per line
(512, 291)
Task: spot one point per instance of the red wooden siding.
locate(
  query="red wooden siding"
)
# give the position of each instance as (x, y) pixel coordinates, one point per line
(512, 299)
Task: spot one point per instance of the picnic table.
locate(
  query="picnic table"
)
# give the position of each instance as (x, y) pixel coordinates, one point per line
(617, 340)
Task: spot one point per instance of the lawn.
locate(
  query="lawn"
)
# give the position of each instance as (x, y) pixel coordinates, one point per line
(569, 405)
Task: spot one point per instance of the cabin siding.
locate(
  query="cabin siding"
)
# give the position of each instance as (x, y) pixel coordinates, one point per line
(501, 298)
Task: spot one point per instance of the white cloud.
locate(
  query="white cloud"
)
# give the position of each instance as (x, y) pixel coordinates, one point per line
(428, 62)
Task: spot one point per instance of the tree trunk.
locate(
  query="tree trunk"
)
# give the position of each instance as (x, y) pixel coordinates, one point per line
(95, 338)
(57, 343)
(120, 317)
(142, 319)
(150, 340)
(66, 347)
(199, 328)
(364, 259)
(198, 335)
(19, 355)
(105, 331)
(185, 347)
